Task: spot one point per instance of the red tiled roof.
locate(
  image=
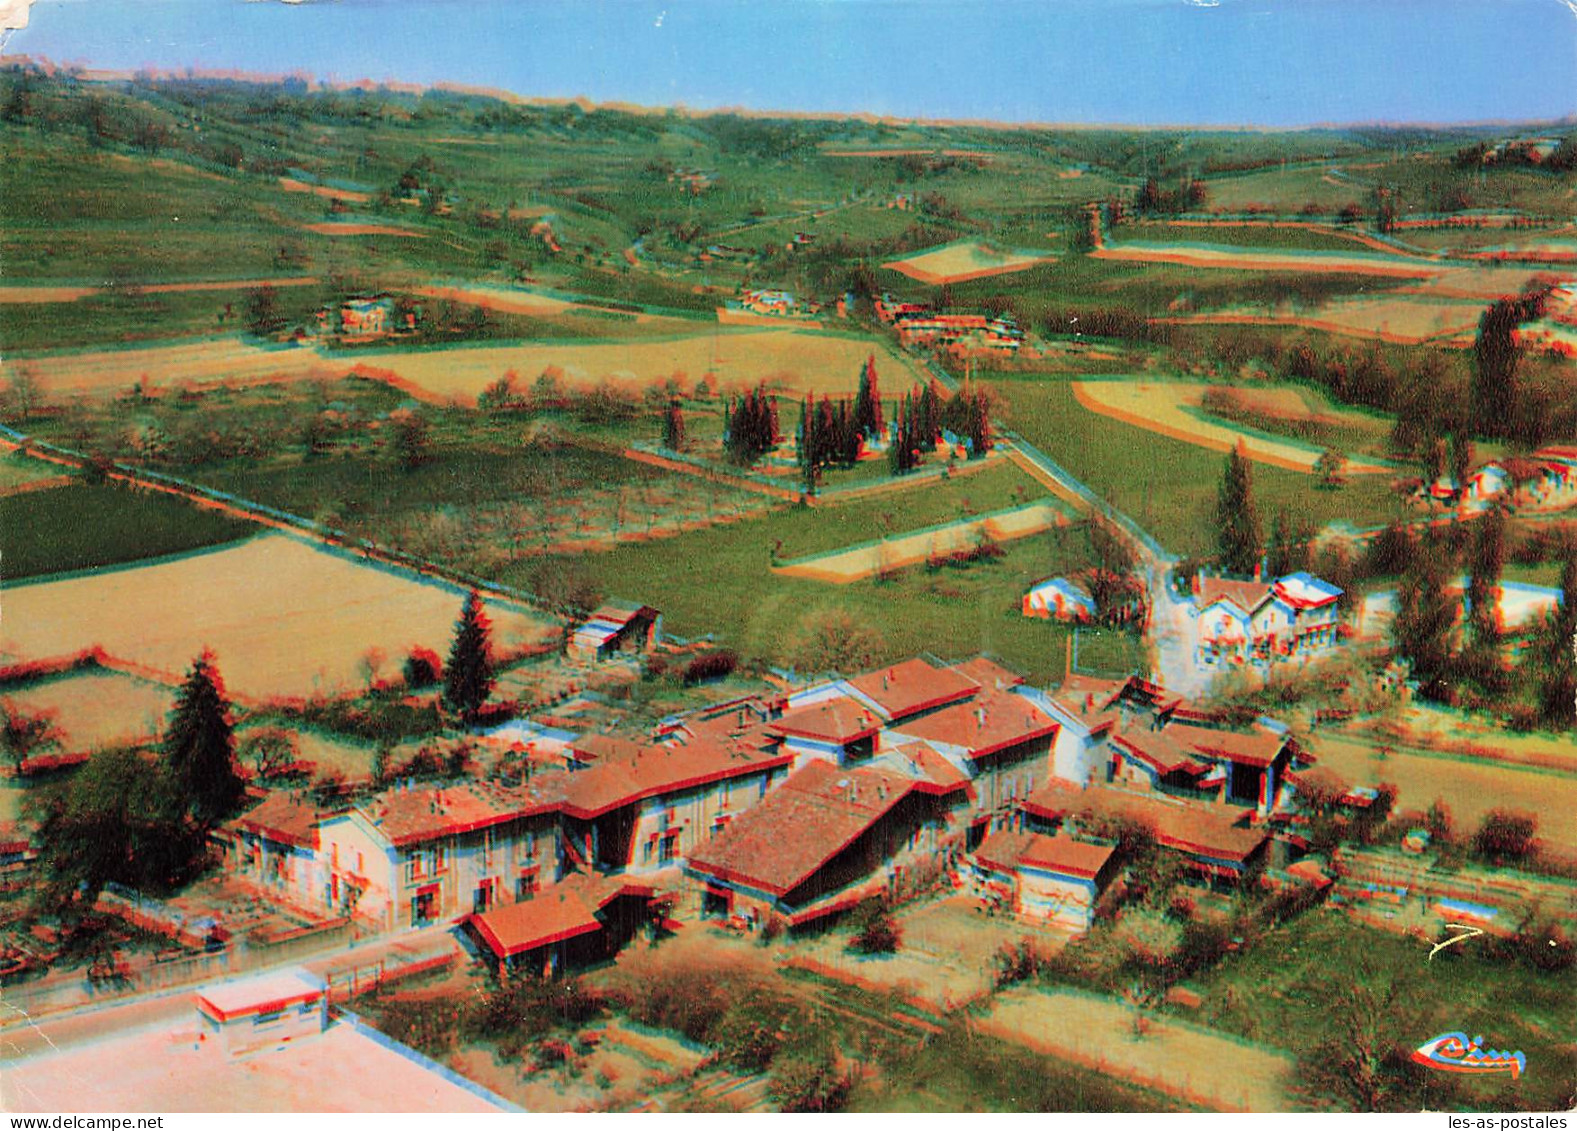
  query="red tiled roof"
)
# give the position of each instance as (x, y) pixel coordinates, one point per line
(594, 746)
(1158, 749)
(994, 720)
(411, 816)
(559, 913)
(1188, 827)
(1089, 700)
(1254, 748)
(284, 817)
(937, 773)
(913, 686)
(839, 720)
(1007, 851)
(802, 825)
(662, 768)
(1245, 594)
(988, 673)
(1052, 800)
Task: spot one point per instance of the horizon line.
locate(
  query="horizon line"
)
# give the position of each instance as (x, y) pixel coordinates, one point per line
(316, 82)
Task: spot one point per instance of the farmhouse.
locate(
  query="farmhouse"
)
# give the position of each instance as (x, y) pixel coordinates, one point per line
(413, 856)
(1045, 879)
(1129, 733)
(1216, 845)
(1238, 620)
(1059, 598)
(583, 919)
(759, 301)
(274, 847)
(616, 627)
(824, 841)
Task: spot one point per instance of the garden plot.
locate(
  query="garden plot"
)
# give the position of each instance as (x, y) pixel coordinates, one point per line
(1470, 786)
(938, 542)
(1214, 1070)
(957, 262)
(97, 709)
(1170, 409)
(285, 618)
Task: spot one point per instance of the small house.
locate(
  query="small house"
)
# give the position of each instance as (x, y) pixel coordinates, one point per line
(262, 1012)
(1059, 598)
(616, 627)
(1043, 879)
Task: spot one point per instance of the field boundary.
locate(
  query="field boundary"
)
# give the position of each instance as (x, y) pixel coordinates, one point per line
(1090, 403)
(915, 546)
(396, 561)
(1446, 339)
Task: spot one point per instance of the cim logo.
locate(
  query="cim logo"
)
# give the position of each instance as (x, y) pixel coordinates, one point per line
(1453, 1052)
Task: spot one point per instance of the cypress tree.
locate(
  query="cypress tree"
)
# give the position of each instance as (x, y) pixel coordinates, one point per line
(673, 427)
(1482, 655)
(930, 412)
(1426, 619)
(468, 677)
(199, 745)
(1554, 655)
(1237, 523)
(868, 402)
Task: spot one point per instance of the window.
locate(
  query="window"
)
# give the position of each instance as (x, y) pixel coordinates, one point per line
(528, 885)
(668, 846)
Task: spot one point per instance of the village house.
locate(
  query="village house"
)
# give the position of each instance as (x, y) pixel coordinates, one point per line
(824, 841)
(1055, 880)
(1239, 620)
(1216, 845)
(1132, 734)
(648, 810)
(413, 856)
(274, 846)
(584, 919)
(1059, 598)
(614, 628)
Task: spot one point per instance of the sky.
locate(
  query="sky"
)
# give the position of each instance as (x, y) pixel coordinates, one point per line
(1130, 62)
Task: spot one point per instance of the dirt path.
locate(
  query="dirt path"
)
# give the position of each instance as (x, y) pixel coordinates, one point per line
(1204, 1068)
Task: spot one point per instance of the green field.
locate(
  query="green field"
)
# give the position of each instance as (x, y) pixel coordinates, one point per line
(17, 470)
(85, 527)
(719, 581)
(1168, 486)
(1232, 235)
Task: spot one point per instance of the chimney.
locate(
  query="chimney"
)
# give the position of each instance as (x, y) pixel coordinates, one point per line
(1089, 702)
(980, 716)
(1197, 588)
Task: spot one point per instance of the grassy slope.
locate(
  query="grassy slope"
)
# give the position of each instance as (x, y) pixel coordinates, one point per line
(82, 527)
(1167, 486)
(718, 580)
(1277, 990)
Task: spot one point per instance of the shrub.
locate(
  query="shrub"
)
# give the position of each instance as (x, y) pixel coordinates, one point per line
(1505, 835)
(519, 1007)
(810, 1081)
(423, 668)
(876, 932)
(709, 666)
(1018, 963)
(755, 1027)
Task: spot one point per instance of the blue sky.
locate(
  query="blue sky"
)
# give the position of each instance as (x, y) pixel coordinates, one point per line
(1141, 62)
